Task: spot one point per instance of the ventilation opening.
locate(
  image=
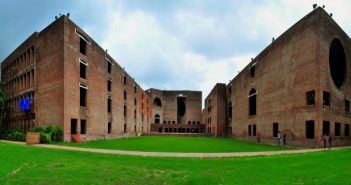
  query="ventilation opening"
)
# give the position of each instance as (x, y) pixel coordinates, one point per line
(337, 62)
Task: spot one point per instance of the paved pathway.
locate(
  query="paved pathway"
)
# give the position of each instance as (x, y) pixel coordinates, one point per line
(172, 154)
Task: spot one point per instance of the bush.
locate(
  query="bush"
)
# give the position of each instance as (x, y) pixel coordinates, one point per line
(45, 138)
(48, 134)
(13, 135)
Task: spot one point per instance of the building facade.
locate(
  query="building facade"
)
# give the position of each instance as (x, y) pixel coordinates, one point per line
(72, 82)
(298, 87)
(176, 111)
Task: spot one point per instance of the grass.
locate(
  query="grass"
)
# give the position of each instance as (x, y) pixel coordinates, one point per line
(178, 144)
(21, 164)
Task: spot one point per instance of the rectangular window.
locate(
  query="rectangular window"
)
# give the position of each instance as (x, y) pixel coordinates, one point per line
(109, 67)
(310, 96)
(109, 104)
(135, 114)
(252, 71)
(142, 116)
(83, 69)
(83, 46)
(275, 129)
(109, 85)
(135, 89)
(309, 129)
(125, 95)
(326, 99)
(347, 106)
(135, 101)
(109, 127)
(337, 129)
(125, 110)
(83, 126)
(125, 128)
(249, 130)
(347, 130)
(125, 80)
(73, 126)
(83, 96)
(326, 128)
(253, 130)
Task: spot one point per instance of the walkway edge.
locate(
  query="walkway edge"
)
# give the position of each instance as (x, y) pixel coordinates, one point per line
(170, 154)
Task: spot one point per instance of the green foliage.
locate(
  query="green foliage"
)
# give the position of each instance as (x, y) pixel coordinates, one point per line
(13, 135)
(45, 137)
(179, 144)
(48, 134)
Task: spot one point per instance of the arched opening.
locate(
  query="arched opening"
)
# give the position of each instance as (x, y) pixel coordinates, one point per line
(230, 113)
(157, 118)
(157, 102)
(252, 102)
(337, 62)
(181, 107)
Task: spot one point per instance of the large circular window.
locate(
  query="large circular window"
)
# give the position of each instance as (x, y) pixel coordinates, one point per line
(337, 62)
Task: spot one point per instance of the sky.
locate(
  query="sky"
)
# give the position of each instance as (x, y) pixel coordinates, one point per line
(170, 45)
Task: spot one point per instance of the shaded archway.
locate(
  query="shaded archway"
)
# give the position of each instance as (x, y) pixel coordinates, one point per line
(337, 62)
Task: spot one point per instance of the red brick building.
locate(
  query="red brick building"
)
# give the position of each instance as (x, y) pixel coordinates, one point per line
(176, 111)
(298, 86)
(74, 83)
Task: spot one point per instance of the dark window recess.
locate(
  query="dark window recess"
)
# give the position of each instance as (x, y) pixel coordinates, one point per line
(135, 101)
(230, 110)
(252, 102)
(73, 126)
(326, 128)
(135, 89)
(230, 89)
(181, 106)
(252, 71)
(125, 128)
(310, 97)
(125, 110)
(83, 46)
(347, 130)
(109, 85)
(157, 102)
(253, 130)
(125, 80)
(109, 105)
(109, 67)
(83, 126)
(109, 127)
(337, 129)
(135, 114)
(275, 129)
(326, 98)
(83, 97)
(249, 130)
(309, 129)
(83, 70)
(347, 106)
(337, 62)
(125, 95)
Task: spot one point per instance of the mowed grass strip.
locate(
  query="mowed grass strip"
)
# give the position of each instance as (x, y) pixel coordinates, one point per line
(178, 144)
(22, 164)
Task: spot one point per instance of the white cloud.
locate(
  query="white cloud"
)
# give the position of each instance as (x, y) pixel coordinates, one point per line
(168, 53)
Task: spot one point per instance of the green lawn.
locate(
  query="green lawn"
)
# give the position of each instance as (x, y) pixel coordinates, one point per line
(33, 165)
(178, 144)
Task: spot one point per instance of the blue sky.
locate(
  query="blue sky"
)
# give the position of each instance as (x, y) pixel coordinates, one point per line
(165, 44)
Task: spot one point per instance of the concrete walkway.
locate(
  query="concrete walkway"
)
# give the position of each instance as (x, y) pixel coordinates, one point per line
(172, 154)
